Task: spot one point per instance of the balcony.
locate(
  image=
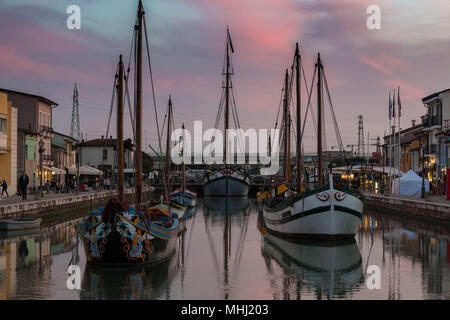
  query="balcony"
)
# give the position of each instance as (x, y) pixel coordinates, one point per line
(446, 127)
(431, 121)
(46, 131)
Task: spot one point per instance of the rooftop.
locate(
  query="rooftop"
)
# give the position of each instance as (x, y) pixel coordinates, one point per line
(434, 95)
(40, 98)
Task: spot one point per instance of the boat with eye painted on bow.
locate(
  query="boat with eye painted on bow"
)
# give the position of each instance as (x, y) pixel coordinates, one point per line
(325, 212)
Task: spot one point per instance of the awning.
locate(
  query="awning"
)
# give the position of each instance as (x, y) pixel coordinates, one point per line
(57, 170)
(87, 170)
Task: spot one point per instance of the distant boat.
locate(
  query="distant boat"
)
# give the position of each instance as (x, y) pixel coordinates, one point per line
(119, 234)
(183, 196)
(226, 182)
(16, 224)
(327, 212)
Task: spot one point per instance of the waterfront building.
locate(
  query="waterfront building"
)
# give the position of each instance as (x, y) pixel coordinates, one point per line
(100, 153)
(63, 155)
(436, 123)
(34, 124)
(8, 143)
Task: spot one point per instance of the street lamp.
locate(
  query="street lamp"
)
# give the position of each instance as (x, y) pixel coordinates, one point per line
(422, 143)
(41, 151)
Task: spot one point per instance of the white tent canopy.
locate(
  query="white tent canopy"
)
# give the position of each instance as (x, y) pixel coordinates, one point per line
(410, 184)
(87, 170)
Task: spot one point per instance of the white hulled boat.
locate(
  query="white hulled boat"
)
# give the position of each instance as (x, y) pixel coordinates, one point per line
(326, 212)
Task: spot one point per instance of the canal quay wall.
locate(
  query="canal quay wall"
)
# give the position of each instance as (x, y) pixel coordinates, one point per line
(420, 209)
(47, 208)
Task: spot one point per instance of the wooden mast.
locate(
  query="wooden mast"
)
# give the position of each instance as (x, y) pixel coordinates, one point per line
(227, 100)
(183, 166)
(167, 171)
(119, 148)
(138, 110)
(299, 131)
(319, 121)
(285, 120)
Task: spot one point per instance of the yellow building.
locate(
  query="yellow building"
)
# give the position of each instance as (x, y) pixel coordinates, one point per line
(8, 143)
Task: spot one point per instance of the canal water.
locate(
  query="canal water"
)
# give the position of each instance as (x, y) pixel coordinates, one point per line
(231, 256)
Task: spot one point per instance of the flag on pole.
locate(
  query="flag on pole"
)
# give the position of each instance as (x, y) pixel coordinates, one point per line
(390, 106)
(393, 105)
(399, 103)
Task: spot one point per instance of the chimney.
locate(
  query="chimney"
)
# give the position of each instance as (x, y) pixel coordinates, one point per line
(103, 137)
(413, 122)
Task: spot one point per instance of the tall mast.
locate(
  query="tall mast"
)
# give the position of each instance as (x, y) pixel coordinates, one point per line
(285, 137)
(139, 107)
(319, 120)
(227, 99)
(183, 166)
(119, 148)
(298, 126)
(167, 171)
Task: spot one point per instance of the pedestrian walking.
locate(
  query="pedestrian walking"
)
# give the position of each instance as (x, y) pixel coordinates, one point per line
(5, 188)
(23, 185)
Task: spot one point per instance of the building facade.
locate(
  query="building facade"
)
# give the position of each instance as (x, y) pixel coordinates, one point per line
(436, 124)
(101, 154)
(34, 125)
(8, 143)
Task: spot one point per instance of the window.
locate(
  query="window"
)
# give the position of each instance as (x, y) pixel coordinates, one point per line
(105, 154)
(3, 126)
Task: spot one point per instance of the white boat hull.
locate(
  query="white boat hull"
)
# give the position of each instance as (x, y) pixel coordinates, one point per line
(218, 184)
(325, 214)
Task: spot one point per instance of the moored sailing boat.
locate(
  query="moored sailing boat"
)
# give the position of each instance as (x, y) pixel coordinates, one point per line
(226, 181)
(183, 196)
(118, 234)
(328, 212)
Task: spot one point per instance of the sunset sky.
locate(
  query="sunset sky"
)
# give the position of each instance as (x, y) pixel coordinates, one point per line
(39, 55)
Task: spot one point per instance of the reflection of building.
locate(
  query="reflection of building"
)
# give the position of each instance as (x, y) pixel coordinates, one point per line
(34, 124)
(8, 142)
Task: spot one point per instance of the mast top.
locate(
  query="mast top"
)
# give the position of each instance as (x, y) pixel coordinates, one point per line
(319, 62)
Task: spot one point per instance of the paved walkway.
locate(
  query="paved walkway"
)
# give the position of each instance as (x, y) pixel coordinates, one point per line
(15, 199)
(428, 198)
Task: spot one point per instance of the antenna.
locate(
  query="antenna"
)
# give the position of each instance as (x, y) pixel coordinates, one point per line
(75, 126)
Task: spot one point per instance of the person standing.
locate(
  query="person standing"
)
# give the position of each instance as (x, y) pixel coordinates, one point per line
(23, 184)
(5, 188)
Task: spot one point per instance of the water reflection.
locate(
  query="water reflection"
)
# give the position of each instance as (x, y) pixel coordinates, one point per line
(232, 215)
(26, 259)
(326, 269)
(137, 282)
(223, 255)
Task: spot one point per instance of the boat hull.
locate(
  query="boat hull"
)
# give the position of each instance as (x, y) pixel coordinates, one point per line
(130, 239)
(186, 198)
(324, 214)
(218, 184)
(20, 224)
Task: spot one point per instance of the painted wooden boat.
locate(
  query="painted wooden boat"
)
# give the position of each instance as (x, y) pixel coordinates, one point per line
(171, 206)
(20, 224)
(186, 198)
(226, 183)
(120, 235)
(327, 213)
